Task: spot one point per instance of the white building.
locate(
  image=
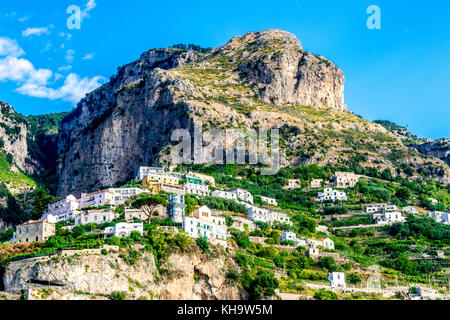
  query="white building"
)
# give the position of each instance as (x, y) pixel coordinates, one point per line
(199, 189)
(327, 243)
(337, 280)
(441, 217)
(203, 223)
(123, 229)
(62, 206)
(381, 207)
(123, 194)
(145, 171)
(97, 198)
(62, 217)
(388, 217)
(268, 216)
(224, 194)
(330, 194)
(410, 210)
(95, 216)
(291, 236)
(271, 201)
(243, 194)
(433, 201)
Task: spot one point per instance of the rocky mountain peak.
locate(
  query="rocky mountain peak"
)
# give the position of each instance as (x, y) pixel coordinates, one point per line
(263, 38)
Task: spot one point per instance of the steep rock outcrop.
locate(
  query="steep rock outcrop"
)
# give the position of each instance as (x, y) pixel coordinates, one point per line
(127, 122)
(259, 80)
(89, 273)
(14, 132)
(439, 148)
(275, 62)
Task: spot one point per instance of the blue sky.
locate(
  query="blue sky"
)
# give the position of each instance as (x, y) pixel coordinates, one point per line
(400, 73)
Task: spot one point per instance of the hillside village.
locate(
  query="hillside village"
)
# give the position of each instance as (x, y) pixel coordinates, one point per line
(189, 202)
(92, 207)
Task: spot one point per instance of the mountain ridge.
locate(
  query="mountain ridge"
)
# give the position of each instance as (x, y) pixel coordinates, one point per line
(258, 80)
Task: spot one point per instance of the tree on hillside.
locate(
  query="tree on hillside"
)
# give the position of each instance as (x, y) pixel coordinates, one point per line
(403, 193)
(40, 202)
(148, 204)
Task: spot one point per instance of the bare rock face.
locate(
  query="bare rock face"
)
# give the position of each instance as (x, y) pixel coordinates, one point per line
(123, 124)
(259, 80)
(128, 121)
(89, 274)
(13, 132)
(285, 74)
(439, 148)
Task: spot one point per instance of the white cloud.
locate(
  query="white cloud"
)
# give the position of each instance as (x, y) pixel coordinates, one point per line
(64, 68)
(36, 82)
(23, 19)
(73, 89)
(9, 47)
(35, 31)
(22, 70)
(70, 55)
(89, 56)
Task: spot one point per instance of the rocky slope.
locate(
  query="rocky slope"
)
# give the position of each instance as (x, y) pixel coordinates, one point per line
(89, 274)
(439, 148)
(259, 80)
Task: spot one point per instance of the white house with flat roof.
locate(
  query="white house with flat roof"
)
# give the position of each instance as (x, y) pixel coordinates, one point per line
(291, 236)
(243, 194)
(224, 194)
(441, 217)
(268, 216)
(62, 206)
(95, 216)
(97, 198)
(331, 194)
(337, 280)
(410, 210)
(123, 194)
(433, 201)
(388, 217)
(145, 171)
(381, 207)
(268, 200)
(199, 189)
(202, 223)
(124, 229)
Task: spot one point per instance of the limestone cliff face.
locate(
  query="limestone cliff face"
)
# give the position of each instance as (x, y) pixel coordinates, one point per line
(275, 62)
(128, 121)
(259, 80)
(123, 124)
(14, 135)
(92, 275)
(439, 148)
